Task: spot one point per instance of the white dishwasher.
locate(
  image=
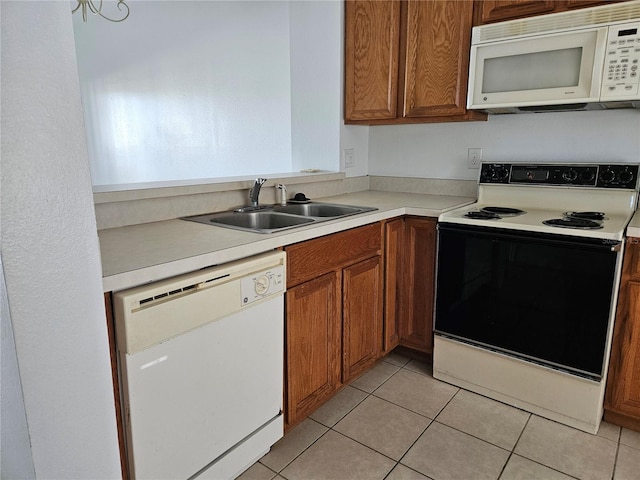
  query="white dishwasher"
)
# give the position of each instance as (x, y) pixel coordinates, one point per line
(201, 365)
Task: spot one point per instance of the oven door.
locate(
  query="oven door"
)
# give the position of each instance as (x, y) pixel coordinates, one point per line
(542, 297)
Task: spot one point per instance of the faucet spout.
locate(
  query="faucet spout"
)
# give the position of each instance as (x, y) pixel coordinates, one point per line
(254, 192)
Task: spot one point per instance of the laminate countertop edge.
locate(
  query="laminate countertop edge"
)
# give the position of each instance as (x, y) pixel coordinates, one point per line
(633, 229)
(140, 254)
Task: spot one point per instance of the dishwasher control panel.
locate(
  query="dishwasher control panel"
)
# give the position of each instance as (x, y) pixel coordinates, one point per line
(262, 284)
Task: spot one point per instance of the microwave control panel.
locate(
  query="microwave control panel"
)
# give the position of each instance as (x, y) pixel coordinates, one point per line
(621, 76)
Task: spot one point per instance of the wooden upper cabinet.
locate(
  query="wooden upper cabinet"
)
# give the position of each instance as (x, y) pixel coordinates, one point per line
(372, 40)
(406, 61)
(501, 10)
(438, 36)
(489, 11)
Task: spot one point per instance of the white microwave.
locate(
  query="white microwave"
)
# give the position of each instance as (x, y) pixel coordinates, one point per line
(579, 60)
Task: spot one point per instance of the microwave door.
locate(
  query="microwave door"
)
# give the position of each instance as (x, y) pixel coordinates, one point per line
(544, 70)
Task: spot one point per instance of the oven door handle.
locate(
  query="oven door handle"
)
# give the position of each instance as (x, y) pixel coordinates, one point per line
(556, 239)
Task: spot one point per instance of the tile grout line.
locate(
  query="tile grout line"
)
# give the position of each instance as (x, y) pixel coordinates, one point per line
(304, 450)
(330, 428)
(368, 394)
(431, 421)
(512, 452)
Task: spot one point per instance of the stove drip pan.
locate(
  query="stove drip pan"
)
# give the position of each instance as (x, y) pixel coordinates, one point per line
(578, 223)
(595, 216)
(503, 211)
(482, 215)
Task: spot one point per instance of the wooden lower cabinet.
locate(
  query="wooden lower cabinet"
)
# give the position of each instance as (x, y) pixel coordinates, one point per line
(334, 313)
(394, 235)
(410, 257)
(313, 330)
(416, 325)
(622, 399)
(361, 316)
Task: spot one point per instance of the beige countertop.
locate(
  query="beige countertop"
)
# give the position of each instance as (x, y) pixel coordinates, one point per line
(633, 229)
(148, 252)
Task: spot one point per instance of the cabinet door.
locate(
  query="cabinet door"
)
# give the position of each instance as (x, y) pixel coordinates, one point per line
(313, 315)
(573, 4)
(500, 10)
(361, 316)
(393, 282)
(622, 401)
(417, 319)
(371, 59)
(438, 41)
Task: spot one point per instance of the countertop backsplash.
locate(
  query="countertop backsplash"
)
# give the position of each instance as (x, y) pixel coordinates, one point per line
(133, 207)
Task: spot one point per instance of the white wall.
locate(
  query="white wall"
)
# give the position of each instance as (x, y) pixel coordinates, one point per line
(316, 85)
(207, 89)
(16, 460)
(440, 150)
(186, 89)
(50, 248)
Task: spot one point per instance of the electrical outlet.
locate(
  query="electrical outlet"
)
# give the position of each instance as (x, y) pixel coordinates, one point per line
(349, 158)
(474, 157)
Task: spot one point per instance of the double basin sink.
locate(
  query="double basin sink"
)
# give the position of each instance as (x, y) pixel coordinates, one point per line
(278, 217)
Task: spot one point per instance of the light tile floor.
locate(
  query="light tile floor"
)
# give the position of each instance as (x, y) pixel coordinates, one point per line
(396, 422)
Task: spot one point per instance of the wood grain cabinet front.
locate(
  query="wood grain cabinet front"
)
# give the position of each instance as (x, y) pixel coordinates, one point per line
(394, 248)
(334, 314)
(406, 61)
(490, 11)
(410, 283)
(361, 316)
(622, 398)
(416, 327)
(313, 344)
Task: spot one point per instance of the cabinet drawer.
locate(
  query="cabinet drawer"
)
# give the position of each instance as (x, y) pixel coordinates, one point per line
(310, 259)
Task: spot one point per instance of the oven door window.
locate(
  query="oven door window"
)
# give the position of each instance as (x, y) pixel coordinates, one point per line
(545, 298)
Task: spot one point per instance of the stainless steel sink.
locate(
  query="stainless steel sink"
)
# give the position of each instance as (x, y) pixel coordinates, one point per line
(261, 221)
(321, 209)
(278, 217)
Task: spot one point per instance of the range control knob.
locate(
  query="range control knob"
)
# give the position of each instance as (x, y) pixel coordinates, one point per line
(490, 173)
(501, 173)
(570, 175)
(625, 176)
(587, 175)
(607, 176)
(262, 284)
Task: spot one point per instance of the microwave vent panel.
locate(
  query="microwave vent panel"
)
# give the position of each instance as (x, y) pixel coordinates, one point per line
(587, 17)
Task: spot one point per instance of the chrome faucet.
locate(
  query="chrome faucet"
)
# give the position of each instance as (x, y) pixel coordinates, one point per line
(254, 193)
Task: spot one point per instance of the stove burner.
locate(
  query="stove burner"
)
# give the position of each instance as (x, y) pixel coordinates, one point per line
(578, 223)
(586, 215)
(483, 215)
(503, 211)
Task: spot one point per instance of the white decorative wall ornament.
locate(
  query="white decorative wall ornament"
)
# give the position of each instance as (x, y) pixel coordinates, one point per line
(96, 9)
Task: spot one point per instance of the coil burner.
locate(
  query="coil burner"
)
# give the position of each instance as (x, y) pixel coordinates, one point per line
(578, 223)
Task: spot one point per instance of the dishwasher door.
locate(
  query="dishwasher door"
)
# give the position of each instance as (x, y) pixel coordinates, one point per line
(206, 401)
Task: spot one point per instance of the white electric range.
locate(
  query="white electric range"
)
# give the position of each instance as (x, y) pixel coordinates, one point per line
(527, 282)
